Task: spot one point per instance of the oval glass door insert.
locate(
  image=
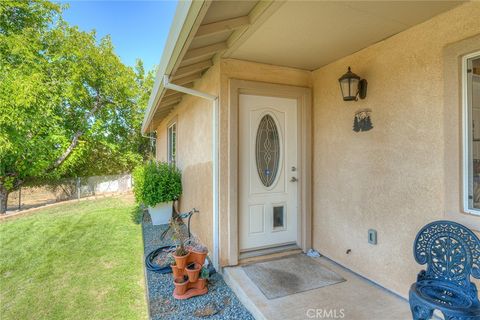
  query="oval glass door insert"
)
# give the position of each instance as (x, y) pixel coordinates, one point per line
(267, 150)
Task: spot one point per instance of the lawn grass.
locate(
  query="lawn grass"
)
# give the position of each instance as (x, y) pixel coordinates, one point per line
(81, 260)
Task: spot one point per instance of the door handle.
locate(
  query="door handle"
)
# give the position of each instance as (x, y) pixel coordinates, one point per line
(293, 179)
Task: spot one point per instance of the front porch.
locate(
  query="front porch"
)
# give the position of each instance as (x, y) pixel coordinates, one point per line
(356, 298)
(233, 295)
(238, 64)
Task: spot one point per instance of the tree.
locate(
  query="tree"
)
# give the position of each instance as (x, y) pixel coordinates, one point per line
(68, 106)
(356, 124)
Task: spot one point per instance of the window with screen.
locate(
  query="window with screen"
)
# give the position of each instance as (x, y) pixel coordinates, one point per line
(172, 143)
(471, 102)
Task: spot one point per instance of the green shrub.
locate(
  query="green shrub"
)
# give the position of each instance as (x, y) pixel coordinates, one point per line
(156, 182)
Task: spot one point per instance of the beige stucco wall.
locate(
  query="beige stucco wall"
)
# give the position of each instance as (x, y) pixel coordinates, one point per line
(194, 153)
(391, 178)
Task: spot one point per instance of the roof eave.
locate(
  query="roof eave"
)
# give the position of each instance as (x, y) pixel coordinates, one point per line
(186, 15)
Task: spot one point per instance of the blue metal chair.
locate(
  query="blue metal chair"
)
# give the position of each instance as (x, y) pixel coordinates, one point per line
(452, 253)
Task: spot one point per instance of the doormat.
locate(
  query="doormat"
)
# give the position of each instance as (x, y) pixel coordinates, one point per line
(289, 275)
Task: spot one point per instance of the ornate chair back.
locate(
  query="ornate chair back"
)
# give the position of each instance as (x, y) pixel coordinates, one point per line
(451, 252)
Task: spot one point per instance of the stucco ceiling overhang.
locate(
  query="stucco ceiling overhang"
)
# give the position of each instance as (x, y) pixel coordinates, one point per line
(299, 34)
(309, 35)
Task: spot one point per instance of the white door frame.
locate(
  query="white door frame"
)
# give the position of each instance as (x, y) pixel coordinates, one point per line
(304, 116)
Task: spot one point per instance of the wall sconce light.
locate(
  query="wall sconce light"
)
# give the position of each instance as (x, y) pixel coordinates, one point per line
(352, 86)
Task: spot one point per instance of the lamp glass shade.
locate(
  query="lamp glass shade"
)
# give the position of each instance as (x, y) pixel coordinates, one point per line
(349, 85)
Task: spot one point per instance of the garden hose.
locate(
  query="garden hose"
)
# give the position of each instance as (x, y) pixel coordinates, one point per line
(152, 266)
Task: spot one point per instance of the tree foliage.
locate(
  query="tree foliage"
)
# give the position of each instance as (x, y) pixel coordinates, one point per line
(68, 106)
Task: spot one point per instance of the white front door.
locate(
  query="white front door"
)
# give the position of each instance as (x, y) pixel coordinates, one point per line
(267, 171)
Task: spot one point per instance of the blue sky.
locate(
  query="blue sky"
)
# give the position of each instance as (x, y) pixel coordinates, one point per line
(139, 29)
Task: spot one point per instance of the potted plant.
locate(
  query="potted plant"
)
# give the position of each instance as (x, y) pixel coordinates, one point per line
(177, 272)
(198, 252)
(181, 285)
(202, 280)
(181, 253)
(193, 271)
(157, 185)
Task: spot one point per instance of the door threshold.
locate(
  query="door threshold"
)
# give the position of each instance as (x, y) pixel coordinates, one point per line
(268, 253)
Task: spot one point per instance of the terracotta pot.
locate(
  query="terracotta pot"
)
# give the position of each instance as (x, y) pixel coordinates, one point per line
(180, 287)
(181, 261)
(201, 283)
(198, 257)
(177, 272)
(194, 272)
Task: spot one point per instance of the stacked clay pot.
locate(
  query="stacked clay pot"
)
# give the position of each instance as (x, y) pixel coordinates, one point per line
(186, 275)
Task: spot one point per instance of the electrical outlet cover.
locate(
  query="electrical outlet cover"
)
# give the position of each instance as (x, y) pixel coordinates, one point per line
(372, 236)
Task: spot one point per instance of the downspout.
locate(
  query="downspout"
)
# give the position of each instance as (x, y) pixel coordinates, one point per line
(215, 157)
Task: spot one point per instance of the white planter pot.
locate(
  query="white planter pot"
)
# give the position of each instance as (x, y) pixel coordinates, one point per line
(161, 213)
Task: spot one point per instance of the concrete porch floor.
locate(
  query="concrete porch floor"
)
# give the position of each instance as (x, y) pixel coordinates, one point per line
(356, 299)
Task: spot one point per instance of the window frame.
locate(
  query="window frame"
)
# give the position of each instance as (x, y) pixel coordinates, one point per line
(172, 159)
(467, 136)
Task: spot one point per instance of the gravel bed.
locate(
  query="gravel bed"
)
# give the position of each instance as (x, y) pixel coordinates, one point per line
(219, 303)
